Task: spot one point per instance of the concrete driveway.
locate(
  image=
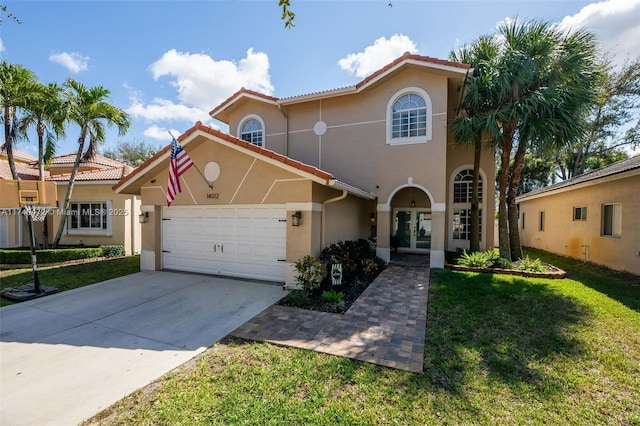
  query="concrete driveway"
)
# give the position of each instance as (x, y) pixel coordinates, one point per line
(65, 357)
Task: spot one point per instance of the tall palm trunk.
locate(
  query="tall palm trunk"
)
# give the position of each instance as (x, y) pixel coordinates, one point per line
(514, 183)
(67, 196)
(8, 140)
(45, 223)
(474, 214)
(508, 130)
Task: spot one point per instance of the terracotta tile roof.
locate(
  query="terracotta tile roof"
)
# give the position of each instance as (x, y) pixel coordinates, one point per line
(349, 89)
(114, 173)
(239, 142)
(409, 56)
(19, 156)
(98, 161)
(238, 93)
(25, 171)
(629, 164)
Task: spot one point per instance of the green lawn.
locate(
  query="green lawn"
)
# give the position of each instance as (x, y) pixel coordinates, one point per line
(500, 350)
(70, 276)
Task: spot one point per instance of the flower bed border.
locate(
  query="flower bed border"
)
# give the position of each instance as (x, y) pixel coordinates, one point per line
(555, 273)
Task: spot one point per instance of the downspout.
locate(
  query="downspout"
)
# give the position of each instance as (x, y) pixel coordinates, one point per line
(286, 130)
(134, 224)
(324, 220)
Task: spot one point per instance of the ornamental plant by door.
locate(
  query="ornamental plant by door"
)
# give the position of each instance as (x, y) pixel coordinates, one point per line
(309, 273)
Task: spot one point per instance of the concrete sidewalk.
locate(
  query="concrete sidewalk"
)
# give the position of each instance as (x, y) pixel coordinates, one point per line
(65, 357)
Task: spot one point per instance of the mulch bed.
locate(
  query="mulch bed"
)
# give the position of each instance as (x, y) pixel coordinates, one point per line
(316, 303)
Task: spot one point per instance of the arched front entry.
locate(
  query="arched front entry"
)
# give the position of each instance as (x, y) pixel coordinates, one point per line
(411, 220)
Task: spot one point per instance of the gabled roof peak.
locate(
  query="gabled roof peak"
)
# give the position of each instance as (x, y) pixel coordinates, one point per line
(406, 57)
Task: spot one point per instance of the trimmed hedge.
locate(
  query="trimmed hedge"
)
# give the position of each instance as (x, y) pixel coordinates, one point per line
(21, 256)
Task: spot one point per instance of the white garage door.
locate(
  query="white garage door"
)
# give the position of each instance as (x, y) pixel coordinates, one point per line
(237, 241)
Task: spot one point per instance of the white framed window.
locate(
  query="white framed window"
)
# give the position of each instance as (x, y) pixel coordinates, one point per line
(612, 220)
(409, 118)
(461, 193)
(89, 218)
(251, 129)
(541, 221)
(462, 224)
(579, 213)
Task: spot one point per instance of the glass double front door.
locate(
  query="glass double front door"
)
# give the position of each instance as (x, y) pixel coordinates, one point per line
(412, 228)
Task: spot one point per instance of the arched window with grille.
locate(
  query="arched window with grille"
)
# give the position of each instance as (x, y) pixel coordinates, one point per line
(409, 117)
(252, 130)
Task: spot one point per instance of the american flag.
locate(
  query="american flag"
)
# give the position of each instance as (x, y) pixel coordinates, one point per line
(180, 163)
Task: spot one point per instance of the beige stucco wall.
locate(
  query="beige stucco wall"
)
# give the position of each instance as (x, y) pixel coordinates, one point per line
(355, 149)
(124, 211)
(563, 235)
(245, 179)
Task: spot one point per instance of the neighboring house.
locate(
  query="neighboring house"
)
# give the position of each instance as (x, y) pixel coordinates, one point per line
(97, 215)
(296, 174)
(593, 217)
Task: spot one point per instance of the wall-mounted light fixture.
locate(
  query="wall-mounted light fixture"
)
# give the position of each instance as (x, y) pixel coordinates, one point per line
(373, 217)
(144, 216)
(295, 218)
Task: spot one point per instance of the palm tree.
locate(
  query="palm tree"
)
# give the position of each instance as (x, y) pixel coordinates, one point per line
(17, 90)
(47, 113)
(544, 84)
(472, 125)
(88, 109)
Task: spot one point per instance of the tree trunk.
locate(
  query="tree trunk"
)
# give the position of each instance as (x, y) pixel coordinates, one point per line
(508, 129)
(45, 222)
(512, 207)
(474, 214)
(67, 196)
(8, 140)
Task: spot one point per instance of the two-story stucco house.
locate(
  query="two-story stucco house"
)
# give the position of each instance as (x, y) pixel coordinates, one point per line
(296, 174)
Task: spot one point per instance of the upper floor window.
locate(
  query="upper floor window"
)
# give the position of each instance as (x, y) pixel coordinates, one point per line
(252, 131)
(463, 185)
(409, 117)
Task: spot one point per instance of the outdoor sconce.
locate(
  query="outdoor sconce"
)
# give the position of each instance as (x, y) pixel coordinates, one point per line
(144, 216)
(373, 217)
(295, 218)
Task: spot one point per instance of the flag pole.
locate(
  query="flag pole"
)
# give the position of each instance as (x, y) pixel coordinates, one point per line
(194, 165)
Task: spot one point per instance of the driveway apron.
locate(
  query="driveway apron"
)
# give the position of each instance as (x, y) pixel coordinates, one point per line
(65, 357)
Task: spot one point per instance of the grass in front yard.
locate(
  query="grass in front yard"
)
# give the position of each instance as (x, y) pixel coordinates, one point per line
(500, 350)
(70, 276)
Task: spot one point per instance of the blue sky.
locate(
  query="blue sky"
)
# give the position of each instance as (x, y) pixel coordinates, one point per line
(169, 63)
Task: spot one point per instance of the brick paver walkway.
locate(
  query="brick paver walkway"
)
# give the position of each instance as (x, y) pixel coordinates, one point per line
(385, 326)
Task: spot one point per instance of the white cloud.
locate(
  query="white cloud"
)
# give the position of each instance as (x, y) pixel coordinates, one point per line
(160, 133)
(73, 61)
(614, 22)
(1, 46)
(166, 110)
(377, 55)
(201, 84)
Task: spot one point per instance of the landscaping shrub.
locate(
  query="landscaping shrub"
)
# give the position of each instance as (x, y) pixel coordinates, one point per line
(309, 273)
(23, 256)
(332, 296)
(476, 259)
(297, 297)
(529, 265)
(112, 250)
(358, 259)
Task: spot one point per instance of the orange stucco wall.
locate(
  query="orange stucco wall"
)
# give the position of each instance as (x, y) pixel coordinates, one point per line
(583, 239)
